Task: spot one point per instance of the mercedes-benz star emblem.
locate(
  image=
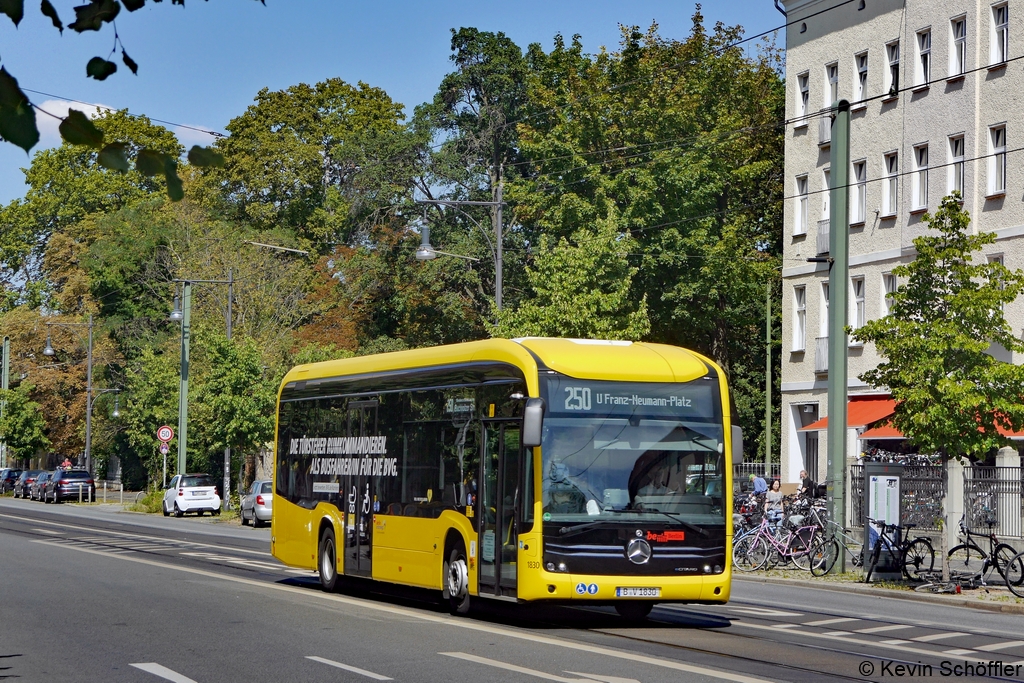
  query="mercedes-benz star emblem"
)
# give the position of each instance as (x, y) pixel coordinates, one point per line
(638, 551)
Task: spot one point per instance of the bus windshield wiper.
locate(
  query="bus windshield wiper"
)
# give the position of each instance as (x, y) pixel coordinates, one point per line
(570, 530)
(688, 525)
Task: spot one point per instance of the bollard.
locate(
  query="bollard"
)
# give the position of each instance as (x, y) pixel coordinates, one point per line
(79, 494)
(122, 494)
(104, 493)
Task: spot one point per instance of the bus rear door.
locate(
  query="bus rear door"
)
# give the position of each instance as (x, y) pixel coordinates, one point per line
(358, 498)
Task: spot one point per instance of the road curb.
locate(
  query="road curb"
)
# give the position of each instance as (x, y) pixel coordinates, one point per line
(983, 605)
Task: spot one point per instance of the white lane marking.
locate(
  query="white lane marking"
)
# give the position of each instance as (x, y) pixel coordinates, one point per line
(605, 679)
(938, 636)
(518, 669)
(839, 633)
(880, 629)
(49, 531)
(761, 612)
(788, 625)
(826, 622)
(241, 561)
(957, 652)
(156, 539)
(454, 622)
(887, 644)
(1000, 646)
(353, 669)
(163, 672)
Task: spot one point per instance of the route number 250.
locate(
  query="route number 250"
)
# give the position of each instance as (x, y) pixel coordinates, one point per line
(577, 398)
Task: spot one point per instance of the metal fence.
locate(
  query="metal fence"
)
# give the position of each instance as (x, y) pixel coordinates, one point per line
(921, 491)
(742, 471)
(993, 500)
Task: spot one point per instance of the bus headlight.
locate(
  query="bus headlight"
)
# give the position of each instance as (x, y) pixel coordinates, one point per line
(550, 566)
(562, 567)
(707, 569)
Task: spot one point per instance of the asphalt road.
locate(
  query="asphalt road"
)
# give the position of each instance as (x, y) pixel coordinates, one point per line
(91, 594)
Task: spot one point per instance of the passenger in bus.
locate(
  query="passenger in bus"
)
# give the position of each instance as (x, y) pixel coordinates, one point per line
(561, 495)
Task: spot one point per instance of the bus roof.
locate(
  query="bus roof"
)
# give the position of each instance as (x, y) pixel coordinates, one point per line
(581, 358)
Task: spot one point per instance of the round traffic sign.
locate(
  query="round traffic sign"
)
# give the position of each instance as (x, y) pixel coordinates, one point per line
(164, 448)
(165, 433)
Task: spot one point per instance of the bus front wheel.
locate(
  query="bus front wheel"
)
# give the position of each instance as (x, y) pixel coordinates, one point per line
(634, 611)
(328, 561)
(456, 578)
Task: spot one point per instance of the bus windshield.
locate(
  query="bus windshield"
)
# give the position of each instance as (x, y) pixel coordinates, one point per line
(642, 459)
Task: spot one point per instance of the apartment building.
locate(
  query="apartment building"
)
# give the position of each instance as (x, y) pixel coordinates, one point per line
(936, 88)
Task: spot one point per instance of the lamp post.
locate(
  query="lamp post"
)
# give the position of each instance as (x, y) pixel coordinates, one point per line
(426, 252)
(183, 312)
(5, 372)
(48, 351)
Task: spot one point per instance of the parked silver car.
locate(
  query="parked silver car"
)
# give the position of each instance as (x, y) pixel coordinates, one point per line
(258, 503)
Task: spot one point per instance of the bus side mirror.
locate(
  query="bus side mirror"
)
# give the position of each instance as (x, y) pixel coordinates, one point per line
(533, 422)
(737, 445)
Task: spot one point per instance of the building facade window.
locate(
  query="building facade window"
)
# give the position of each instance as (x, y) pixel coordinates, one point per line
(923, 71)
(1000, 34)
(892, 81)
(997, 162)
(826, 177)
(799, 317)
(857, 311)
(919, 179)
(889, 196)
(956, 164)
(958, 46)
(831, 84)
(823, 323)
(800, 222)
(997, 258)
(859, 192)
(888, 289)
(860, 91)
(803, 83)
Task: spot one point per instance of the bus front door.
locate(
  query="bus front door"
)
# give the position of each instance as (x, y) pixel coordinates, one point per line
(499, 505)
(357, 496)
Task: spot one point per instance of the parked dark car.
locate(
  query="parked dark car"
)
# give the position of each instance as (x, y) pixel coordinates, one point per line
(23, 486)
(69, 484)
(35, 491)
(8, 476)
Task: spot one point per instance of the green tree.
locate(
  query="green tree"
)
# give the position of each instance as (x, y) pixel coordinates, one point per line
(580, 290)
(151, 400)
(951, 395)
(23, 426)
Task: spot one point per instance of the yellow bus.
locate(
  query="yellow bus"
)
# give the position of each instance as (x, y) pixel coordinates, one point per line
(534, 469)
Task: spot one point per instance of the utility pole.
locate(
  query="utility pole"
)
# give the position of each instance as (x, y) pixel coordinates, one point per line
(4, 378)
(768, 380)
(88, 403)
(838, 281)
(186, 332)
(226, 502)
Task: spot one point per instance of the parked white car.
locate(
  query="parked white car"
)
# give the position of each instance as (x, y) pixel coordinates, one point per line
(191, 493)
(257, 504)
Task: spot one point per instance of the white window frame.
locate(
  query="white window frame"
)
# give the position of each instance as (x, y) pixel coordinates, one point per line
(803, 82)
(831, 83)
(823, 323)
(826, 177)
(892, 76)
(858, 311)
(799, 317)
(1000, 40)
(860, 82)
(919, 178)
(889, 286)
(955, 175)
(890, 194)
(957, 46)
(859, 192)
(800, 219)
(923, 66)
(997, 162)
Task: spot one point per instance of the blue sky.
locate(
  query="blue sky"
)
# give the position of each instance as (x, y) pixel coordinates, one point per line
(203, 64)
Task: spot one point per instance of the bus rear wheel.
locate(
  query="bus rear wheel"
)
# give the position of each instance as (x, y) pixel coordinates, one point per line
(634, 611)
(328, 561)
(456, 581)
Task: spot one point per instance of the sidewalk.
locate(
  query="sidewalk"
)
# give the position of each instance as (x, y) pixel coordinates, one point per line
(996, 599)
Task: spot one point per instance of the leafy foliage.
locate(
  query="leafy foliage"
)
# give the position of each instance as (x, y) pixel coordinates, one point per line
(22, 426)
(951, 395)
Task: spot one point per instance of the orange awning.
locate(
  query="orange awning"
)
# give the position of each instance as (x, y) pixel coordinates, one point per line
(887, 431)
(860, 412)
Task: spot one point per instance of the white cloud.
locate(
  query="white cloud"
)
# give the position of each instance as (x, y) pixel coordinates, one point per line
(49, 136)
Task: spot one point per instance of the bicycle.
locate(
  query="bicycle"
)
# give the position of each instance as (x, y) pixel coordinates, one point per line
(834, 539)
(767, 546)
(910, 556)
(969, 557)
(933, 582)
(1015, 569)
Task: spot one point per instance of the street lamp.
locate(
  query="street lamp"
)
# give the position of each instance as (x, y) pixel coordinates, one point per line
(89, 393)
(182, 312)
(425, 252)
(5, 371)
